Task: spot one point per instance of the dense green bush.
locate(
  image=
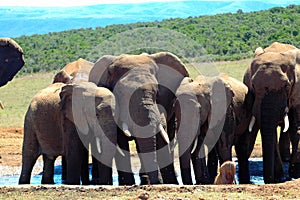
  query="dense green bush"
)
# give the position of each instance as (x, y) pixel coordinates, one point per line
(230, 36)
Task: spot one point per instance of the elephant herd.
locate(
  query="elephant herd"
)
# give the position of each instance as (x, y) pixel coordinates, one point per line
(99, 107)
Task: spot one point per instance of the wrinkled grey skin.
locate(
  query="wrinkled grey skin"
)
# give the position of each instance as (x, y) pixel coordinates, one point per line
(273, 80)
(144, 87)
(11, 59)
(198, 108)
(49, 130)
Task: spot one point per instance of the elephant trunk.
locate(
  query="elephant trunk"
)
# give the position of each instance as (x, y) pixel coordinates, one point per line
(271, 114)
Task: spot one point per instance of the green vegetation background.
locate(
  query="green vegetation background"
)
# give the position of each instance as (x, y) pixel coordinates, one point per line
(224, 37)
(231, 36)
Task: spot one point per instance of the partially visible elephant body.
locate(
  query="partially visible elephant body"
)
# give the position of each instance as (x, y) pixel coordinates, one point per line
(50, 130)
(11, 59)
(144, 86)
(74, 72)
(43, 133)
(210, 111)
(273, 80)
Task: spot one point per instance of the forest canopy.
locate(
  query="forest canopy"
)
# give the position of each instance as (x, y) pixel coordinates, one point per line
(230, 36)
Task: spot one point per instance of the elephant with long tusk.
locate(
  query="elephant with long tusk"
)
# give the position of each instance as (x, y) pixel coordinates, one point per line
(273, 80)
(144, 87)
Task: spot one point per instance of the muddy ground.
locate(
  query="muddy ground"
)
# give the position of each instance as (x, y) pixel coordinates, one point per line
(10, 157)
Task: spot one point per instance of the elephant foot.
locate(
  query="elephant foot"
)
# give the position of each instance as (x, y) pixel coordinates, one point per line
(168, 175)
(186, 177)
(101, 182)
(126, 178)
(294, 170)
(144, 179)
(203, 180)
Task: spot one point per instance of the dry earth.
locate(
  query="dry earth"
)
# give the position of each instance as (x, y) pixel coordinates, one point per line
(10, 157)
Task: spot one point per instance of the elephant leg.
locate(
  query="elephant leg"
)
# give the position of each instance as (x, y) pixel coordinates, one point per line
(85, 180)
(48, 170)
(185, 166)
(74, 157)
(284, 145)
(125, 174)
(95, 171)
(212, 164)
(165, 161)
(294, 168)
(147, 153)
(243, 148)
(63, 169)
(199, 166)
(30, 154)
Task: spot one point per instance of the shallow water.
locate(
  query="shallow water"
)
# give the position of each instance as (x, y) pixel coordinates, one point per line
(256, 173)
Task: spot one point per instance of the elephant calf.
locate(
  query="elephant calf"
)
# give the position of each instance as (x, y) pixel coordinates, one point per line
(56, 125)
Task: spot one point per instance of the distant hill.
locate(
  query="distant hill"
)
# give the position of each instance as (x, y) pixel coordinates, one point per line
(230, 36)
(17, 21)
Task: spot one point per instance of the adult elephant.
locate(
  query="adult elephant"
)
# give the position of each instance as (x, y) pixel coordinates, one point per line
(273, 79)
(144, 87)
(11, 59)
(56, 123)
(210, 111)
(73, 72)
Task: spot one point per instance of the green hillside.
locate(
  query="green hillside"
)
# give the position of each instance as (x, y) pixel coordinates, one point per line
(231, 36)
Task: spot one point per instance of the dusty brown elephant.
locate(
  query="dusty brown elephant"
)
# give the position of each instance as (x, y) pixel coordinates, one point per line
(211, 111)
(50, 130)
(273, 80)
(11, 59)
(74, 72)
(144, 87)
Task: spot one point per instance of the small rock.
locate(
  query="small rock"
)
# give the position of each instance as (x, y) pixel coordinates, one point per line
(144, 196)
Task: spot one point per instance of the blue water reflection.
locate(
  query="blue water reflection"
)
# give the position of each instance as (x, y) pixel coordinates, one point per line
(256, 175)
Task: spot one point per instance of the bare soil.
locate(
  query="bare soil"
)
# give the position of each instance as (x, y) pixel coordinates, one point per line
(10, 155)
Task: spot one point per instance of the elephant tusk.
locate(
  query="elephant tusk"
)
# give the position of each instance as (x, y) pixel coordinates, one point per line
(120, 151)
(1, 105)
(164, 134)
(125, 129)
(98, 144)
(252, 122)
(195, 145)
(286, 123)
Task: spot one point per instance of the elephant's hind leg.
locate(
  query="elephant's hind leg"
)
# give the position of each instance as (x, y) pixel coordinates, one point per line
(30, 153)
(48, 170)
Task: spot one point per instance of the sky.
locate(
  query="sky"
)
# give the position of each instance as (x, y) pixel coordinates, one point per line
(63, 3)
(66, 3)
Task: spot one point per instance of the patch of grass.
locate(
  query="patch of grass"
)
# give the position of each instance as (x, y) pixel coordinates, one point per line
(16, 96)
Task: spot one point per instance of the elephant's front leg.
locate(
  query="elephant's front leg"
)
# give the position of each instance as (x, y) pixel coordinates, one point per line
(199, 163)
(146, 148)
(125, 174)
(165, 161)
(243, 148)
(294, 134)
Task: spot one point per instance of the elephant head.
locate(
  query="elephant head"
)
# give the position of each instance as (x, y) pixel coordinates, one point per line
(272, 78)
(11, 59)
(74, 72)
(91, 109)
(142, 85)
(200, 109)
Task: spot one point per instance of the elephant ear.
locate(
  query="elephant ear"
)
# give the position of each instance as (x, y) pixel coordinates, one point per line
(99, 72)
(258, 51)
(11, 59)
(171, 70)
(73, 110)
